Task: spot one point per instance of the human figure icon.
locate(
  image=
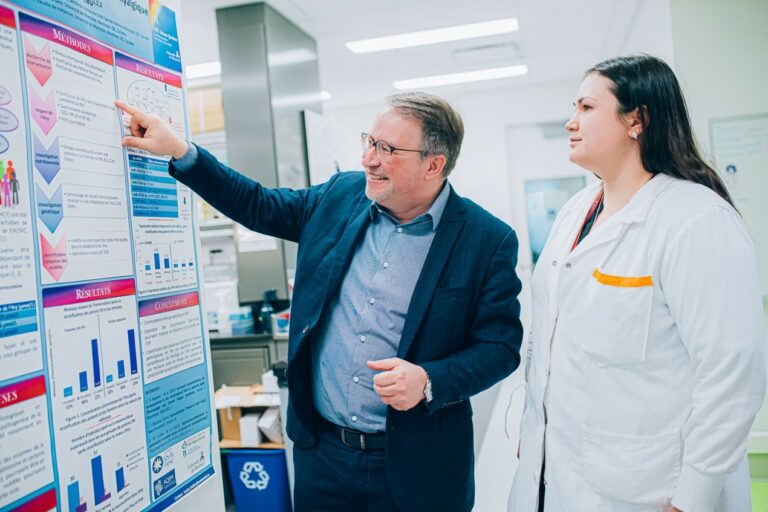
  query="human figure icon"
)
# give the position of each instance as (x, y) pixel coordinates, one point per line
(15, 186)
(6, 190)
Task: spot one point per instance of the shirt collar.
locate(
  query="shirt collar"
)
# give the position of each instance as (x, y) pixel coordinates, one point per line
(435, 211)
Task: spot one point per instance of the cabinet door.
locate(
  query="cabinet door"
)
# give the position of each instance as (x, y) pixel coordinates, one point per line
(239, 366)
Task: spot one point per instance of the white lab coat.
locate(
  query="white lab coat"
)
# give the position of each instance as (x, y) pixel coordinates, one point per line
(646, 356)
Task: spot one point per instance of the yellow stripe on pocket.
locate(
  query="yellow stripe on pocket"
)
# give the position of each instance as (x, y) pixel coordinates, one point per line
(622, 281)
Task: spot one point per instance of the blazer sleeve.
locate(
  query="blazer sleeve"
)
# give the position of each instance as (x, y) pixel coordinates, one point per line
(710, 281)
(496, 334)
(278, 212)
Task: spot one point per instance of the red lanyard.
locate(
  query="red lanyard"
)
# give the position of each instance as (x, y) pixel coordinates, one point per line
(589, 216)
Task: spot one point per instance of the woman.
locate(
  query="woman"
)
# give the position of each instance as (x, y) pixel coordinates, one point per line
(647, 352)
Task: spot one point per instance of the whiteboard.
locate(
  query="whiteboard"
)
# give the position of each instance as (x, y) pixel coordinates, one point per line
(740, 148)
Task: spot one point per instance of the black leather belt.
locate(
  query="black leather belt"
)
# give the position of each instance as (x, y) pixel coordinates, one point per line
(358, 440)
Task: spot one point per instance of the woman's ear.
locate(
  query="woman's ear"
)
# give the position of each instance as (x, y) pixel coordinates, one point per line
(636, 121)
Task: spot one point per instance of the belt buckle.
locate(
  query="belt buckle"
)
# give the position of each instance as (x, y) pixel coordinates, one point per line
(344, 439)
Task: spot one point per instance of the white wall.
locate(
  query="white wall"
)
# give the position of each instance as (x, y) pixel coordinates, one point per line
(720, 59)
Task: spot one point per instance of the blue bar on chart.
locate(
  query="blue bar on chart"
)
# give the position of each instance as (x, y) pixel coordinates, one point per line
(120, 477)
(83, 381)
(120, 369)
(67, 391)
(132, 351)
(148, 267)
(73, 496)
(109, 378)
(157, 261)
(96, 365)
(99, 492)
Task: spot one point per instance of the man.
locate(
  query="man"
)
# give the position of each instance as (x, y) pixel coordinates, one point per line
(404, 306)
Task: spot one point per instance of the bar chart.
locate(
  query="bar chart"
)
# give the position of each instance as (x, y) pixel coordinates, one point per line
(165, 263)
(97, 367)
(99, 492)
(95, 361)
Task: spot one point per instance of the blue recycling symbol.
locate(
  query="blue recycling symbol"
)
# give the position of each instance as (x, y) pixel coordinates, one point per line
(254, 469)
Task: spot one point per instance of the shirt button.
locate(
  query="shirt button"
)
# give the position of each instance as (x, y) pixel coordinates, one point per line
(568, 265)
(362, 338)
(372, 301)
(305, 329)
(356, 379)
(399, 230)
(386, 265)
(354, 418)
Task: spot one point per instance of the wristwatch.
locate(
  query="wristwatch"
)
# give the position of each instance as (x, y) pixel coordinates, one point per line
(428, 391)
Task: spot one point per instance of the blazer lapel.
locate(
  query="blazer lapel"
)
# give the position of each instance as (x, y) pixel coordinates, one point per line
(446, 235)
(347, 244)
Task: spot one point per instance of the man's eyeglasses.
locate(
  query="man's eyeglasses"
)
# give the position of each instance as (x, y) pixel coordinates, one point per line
(383, 150)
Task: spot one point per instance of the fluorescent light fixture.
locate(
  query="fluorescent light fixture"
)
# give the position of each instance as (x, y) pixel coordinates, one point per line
(460, 78)
(299, 99)
(203, 70)
(288, 57)
(440, 35)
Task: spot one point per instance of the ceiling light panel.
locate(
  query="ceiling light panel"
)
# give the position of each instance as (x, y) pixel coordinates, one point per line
(460, 78)
(440, 35)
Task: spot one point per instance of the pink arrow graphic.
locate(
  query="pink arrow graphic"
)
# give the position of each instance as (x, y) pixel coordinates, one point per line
(38, 62)
(54, 258)
(44, 111)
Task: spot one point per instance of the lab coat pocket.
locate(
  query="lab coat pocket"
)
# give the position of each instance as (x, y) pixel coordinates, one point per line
(632, 469)
(616, 318)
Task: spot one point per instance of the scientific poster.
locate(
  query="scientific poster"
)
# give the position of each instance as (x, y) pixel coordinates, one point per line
(105, 400)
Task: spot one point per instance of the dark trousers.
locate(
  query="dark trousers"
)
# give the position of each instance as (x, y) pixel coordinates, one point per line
(332, 477)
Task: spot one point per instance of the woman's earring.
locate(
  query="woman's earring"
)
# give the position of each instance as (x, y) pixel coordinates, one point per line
(633, 134)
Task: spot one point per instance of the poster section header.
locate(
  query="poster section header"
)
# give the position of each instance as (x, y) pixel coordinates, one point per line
(144, 28)
(167, 304)
(21, 391)
(6, 17)
(76, 294)
(155, 73)
(65, 37)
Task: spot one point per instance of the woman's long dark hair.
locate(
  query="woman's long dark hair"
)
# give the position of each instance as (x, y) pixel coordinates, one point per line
(667, 144)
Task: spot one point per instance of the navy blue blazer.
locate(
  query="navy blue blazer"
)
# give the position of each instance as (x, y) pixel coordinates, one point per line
(462, 326)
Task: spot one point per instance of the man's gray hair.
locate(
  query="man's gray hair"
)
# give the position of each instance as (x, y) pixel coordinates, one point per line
(442, 129)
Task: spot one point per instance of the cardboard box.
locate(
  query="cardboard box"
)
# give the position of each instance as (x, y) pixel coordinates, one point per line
(234, 403)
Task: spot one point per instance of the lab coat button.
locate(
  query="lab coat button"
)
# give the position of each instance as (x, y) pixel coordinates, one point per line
(568, 265)
(554, 263)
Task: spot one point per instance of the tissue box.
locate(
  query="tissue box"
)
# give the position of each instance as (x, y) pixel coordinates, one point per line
(269, 423)
(250, 436)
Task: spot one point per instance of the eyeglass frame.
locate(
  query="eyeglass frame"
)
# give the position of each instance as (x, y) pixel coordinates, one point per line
(376, 145)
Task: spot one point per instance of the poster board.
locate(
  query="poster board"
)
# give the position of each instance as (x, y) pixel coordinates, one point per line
(740, 148)
(105, 384)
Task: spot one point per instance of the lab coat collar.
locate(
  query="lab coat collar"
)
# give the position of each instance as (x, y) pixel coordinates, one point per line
(635, 211)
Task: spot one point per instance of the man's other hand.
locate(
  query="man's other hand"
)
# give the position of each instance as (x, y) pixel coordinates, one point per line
(400, 383)
(150, 133)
